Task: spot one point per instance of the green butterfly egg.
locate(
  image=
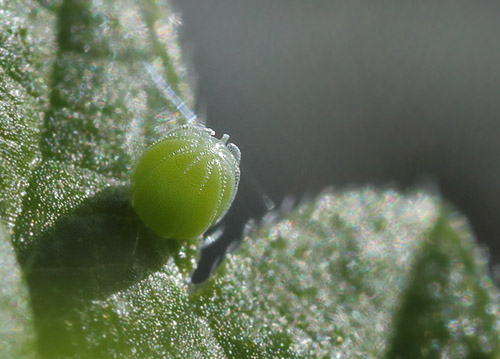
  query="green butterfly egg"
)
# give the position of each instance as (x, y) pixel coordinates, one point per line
(186, 182)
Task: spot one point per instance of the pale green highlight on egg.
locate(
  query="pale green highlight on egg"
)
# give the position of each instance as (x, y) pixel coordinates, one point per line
(186, 182)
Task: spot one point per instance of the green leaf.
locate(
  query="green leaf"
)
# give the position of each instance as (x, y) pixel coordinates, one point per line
(360, 274)
(357, 274)
(450, 305)
(22, 91)
(16, 329)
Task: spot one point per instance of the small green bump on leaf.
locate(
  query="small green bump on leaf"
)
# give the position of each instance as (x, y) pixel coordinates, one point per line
(186, 182)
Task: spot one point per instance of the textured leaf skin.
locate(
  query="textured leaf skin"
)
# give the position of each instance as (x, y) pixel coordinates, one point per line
(358, 274)
(343, 276)
(23, 93)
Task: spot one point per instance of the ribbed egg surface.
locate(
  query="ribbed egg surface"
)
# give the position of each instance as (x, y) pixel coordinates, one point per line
(186, 182)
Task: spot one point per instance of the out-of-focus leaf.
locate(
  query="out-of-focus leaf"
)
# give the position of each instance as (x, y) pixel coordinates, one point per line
(16, 328)
(450, 308)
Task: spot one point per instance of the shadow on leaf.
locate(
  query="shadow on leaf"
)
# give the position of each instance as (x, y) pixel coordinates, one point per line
(95, 251)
